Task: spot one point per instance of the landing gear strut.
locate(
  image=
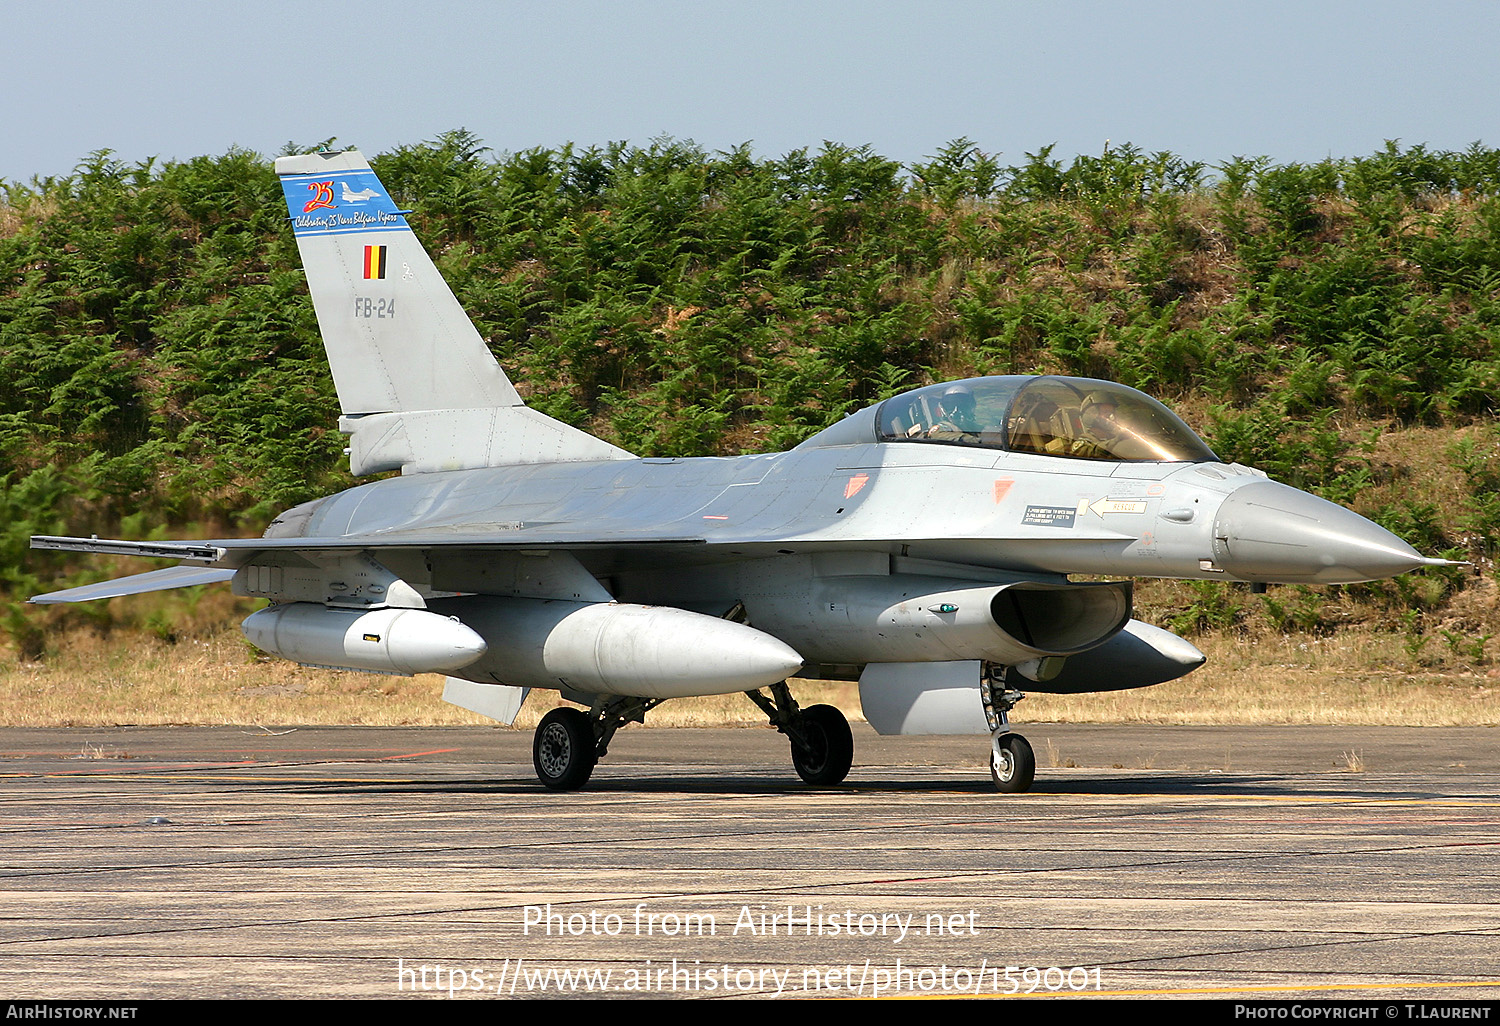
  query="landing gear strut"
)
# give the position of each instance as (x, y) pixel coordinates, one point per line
(822, 745)
(1012, 762)
(569, 742)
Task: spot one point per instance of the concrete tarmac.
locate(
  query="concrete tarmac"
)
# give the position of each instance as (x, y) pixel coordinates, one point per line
(1264, 864)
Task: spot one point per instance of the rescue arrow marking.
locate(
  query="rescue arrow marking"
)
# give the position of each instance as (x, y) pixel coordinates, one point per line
(1107, 505)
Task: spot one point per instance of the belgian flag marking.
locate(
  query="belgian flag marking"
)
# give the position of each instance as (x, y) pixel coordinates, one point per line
(374, 262)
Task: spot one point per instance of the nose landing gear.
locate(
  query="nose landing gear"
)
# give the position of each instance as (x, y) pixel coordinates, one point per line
(1012, 762)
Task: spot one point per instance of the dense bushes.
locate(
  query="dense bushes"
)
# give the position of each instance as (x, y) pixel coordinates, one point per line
(158, 354)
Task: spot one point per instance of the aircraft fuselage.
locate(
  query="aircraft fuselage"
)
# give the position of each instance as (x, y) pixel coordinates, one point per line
(1010, 512)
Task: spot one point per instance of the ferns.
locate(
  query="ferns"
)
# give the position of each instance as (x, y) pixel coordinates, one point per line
(157, 342)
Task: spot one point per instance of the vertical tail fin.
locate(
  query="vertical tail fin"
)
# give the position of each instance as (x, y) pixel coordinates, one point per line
(384, 310)
(418, 387)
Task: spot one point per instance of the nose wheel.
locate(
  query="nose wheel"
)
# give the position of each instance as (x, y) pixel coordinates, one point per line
(1012, 763)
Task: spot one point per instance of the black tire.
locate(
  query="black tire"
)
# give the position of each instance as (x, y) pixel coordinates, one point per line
(1012, 764)
(832, 746)
(562, 750)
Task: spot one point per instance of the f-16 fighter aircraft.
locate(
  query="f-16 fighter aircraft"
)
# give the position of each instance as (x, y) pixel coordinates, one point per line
(921, 546)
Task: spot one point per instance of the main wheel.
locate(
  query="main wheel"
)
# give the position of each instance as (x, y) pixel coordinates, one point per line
(1012, 763)
(830, 750)
(563, 749)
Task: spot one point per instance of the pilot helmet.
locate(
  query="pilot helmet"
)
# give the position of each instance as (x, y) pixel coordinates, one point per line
(958, 400)
(1097, 411)
(1098, 398)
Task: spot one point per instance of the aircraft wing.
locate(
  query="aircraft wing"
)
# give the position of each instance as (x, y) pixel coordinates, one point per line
(224, 556)
(198, 552)
(236, 552)
(216, 560)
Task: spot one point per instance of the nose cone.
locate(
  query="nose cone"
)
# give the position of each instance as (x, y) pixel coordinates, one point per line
(1271, 532)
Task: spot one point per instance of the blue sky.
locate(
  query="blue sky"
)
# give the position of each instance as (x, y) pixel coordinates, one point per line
(1208, 80)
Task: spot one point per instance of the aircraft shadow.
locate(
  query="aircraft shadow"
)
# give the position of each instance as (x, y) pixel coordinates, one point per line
(1186, 786)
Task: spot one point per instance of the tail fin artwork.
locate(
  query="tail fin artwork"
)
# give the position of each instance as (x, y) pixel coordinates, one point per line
(418, 388)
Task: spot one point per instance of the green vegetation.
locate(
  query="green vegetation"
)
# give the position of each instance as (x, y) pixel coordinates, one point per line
(1332, 323)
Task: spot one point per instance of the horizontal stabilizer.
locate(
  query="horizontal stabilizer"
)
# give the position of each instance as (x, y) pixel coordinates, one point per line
(155, 580)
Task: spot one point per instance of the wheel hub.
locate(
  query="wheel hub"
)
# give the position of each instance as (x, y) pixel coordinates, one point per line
(555, 749)
(815, 755)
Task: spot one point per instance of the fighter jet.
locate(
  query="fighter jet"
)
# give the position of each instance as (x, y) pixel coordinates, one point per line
(924, 546)
(351, 196)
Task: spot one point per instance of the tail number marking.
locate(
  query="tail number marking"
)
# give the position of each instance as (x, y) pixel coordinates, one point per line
(366, 306)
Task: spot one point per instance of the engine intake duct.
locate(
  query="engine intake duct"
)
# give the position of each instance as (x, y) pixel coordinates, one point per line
(1060, 620)
(906, 618)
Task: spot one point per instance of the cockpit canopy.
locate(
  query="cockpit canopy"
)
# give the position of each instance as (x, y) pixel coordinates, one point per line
(1074, 418)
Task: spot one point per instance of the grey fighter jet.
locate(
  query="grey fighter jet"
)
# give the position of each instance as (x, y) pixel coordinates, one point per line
(922, 546)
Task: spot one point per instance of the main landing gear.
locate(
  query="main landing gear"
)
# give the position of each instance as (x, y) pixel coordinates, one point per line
(822, 744)
(1012, 762)
(563, 750)
(569, 742)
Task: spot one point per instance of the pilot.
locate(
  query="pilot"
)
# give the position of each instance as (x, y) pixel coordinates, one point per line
(1097, 415)
(956, 421)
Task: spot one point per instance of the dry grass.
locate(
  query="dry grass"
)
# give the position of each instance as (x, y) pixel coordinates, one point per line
(1413, 465)
(1354, 677)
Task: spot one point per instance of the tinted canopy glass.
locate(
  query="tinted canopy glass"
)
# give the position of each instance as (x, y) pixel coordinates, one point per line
(1074, 418)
